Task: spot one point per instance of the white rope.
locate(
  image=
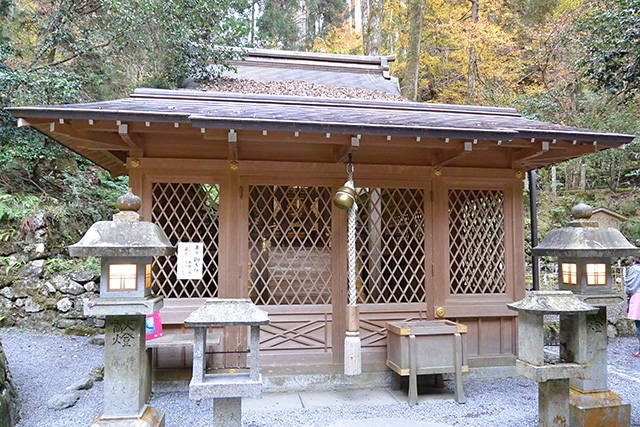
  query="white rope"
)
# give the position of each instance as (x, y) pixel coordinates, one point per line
(351, 233)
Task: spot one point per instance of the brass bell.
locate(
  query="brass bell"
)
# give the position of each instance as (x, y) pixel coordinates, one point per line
(345, 198)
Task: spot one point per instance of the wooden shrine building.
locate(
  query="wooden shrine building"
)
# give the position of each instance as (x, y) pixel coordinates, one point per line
(252, 176)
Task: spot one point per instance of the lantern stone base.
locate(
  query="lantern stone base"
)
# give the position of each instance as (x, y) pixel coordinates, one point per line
(150, 417)
(598, 409)
(553, 403)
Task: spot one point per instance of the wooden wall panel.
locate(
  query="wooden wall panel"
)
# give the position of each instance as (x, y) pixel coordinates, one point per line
(317, 332)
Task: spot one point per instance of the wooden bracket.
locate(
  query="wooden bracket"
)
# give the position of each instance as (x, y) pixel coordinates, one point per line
(447, 157)
(131, 140)
(89, 140)
(342, 155)
(525, 154)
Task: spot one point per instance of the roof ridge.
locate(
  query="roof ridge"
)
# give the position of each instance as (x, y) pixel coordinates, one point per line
(317, 56)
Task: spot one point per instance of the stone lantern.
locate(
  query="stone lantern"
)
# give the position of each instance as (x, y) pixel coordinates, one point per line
(553, 376)
(584, 253)
(126, 246)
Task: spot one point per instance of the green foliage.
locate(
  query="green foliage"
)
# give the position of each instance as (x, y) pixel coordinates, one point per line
(68, 265)
(277, 24)
(16, 206)
(611, 41)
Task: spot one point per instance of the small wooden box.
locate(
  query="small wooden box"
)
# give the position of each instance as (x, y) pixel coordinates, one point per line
(427, 347)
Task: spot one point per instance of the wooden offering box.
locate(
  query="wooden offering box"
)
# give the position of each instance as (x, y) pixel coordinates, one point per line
(427, 347)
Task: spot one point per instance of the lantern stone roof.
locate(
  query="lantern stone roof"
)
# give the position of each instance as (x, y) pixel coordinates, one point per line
(227, 312)
(122, 239)
(584, 239)
(552, 302)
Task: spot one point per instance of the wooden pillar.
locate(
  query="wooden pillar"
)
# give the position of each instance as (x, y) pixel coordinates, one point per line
(232, 251)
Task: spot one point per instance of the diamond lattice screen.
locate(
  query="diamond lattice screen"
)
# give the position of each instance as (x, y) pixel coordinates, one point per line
(476, 242)
(290, 245)
(391, 245)
(187, 213)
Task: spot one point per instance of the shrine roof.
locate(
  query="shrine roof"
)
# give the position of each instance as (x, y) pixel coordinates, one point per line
(204, 109)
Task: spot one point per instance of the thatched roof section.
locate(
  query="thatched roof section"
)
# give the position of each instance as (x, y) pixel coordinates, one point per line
(280, 72)
(296, 88)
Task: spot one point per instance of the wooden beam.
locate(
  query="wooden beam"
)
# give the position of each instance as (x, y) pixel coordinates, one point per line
(87, 137)
(342, 155)
(557, 156)
(97, 146)
(523, 155)
(131, 140)
(445, 158)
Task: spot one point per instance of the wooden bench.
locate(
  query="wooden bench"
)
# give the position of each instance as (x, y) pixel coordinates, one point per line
(181, 340)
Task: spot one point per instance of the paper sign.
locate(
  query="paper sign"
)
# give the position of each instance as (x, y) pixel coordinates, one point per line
(153, 325)
(190, 261)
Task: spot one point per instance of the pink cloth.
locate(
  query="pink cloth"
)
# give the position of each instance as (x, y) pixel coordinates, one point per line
(634, 306)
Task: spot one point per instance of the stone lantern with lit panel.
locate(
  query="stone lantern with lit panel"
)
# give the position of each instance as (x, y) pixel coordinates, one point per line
(126, 247)
(584, 252)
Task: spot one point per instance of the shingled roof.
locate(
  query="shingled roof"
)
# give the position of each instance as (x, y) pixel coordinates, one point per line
(287, 113)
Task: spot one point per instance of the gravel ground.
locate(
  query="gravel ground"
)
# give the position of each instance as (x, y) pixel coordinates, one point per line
(43, 365)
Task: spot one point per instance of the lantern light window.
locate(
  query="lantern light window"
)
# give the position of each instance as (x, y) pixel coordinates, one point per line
(123, 277)
(596, 274)
(569, 274)
(147, 276)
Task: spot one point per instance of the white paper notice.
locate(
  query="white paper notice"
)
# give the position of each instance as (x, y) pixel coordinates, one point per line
(190, 261)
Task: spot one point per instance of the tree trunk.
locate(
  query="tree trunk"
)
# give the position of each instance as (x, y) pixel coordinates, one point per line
(410, 82)
(301, 17)
(372, 31)
(473, 57)
(253, 23)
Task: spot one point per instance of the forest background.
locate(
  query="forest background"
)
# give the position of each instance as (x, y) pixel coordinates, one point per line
(574, 62)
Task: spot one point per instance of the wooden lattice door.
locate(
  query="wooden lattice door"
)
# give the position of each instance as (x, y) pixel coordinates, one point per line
(187, 212)
(476, 242)
(391, 260)
(290, 265)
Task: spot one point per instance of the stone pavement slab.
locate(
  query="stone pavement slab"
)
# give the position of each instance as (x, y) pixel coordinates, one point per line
(273, 402)
(386, 422)
(349, 397)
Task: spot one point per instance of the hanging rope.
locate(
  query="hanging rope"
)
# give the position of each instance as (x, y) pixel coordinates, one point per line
(351, 236)
(352, 345)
